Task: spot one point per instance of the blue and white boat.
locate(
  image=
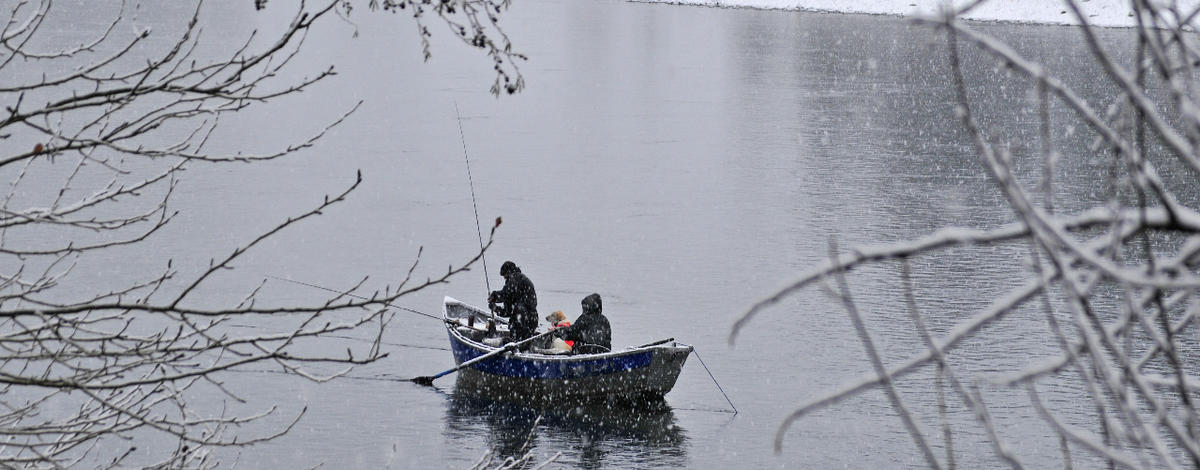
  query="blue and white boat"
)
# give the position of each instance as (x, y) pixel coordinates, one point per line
(644, 372)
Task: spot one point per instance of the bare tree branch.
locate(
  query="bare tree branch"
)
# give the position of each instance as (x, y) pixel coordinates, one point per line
(1127, 355)
(116, 118)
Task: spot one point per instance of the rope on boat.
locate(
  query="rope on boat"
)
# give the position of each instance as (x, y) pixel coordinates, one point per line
(714, 378)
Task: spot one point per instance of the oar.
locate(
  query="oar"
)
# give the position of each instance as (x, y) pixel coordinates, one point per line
(428, 380)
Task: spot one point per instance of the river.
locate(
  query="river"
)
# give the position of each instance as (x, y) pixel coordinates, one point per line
(682, 162)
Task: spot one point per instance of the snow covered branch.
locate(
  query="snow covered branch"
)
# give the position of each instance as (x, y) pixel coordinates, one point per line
(1116, 281)
(95, 137)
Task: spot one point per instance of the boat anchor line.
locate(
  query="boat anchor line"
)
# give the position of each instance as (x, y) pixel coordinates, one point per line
(714, 378)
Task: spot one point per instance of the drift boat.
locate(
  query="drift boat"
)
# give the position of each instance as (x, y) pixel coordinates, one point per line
(644, 372)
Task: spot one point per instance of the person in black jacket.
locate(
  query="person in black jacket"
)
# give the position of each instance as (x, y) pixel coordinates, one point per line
(590, 332)
(519, 302)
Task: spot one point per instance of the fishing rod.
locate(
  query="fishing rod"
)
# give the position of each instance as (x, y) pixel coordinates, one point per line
(347, 294)
(478, 230)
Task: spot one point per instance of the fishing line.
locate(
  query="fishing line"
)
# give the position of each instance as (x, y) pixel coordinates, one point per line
(377, 378)
(361, 340)
(402, 345)
(347, 294)
(714, 378)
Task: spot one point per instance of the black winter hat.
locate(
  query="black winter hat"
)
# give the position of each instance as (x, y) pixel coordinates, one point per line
(591, 304)
(509, 267)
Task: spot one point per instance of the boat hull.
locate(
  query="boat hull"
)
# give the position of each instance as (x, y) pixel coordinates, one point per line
(643, 373)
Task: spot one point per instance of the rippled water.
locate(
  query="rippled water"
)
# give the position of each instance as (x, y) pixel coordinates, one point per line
(682, 162)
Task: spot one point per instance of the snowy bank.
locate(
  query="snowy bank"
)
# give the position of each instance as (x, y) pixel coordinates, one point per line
(1099, 12)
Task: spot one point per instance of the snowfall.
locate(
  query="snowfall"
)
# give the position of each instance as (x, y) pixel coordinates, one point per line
(1112, 13)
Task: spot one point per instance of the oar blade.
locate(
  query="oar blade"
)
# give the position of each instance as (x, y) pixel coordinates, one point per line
(424, 380)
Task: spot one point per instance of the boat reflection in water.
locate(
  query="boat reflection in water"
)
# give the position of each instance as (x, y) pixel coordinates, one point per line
(638, 433)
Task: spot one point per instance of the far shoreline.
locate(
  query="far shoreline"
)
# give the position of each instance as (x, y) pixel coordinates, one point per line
(916, 14)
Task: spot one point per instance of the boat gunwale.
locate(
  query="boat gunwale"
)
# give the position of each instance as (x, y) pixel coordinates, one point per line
(452, 328)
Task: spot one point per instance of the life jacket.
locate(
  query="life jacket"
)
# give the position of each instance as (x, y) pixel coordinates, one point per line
(564, 324)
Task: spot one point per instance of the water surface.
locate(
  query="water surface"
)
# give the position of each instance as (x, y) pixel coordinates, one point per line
(682, 162)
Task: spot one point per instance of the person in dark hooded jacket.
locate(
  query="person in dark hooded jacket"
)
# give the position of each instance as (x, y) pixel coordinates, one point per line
(518, 301)
(590, 332)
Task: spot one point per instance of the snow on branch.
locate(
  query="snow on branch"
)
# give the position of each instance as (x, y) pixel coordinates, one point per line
(116, 118)
(1116, 281)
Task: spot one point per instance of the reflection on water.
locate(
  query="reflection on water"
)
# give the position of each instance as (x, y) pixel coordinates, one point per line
(589, 435)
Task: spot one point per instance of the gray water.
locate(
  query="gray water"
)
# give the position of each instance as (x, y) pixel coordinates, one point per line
(682, 162)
